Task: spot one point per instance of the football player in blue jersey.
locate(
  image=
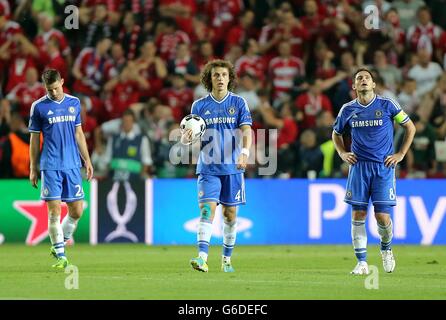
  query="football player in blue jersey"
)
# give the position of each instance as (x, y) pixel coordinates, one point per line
(57, 116)
(370, 120)
(221, 163)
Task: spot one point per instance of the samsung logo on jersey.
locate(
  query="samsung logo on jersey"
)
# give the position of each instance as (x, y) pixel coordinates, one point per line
(220, 120)
(367, 123)
(61, 119)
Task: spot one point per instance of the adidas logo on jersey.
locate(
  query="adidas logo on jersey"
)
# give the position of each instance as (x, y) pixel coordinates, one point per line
(50, 113)
(207, 112)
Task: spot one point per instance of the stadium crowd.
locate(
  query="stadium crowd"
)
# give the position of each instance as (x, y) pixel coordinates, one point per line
(294, 60)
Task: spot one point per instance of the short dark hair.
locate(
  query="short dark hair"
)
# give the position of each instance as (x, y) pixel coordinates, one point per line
(363, 69)
(423, 8)
(206, 74)
(50, 76)
(129, 112)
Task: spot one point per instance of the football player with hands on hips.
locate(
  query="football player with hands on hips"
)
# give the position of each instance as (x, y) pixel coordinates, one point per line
(221, 177)
(57, 116)
(369, 118)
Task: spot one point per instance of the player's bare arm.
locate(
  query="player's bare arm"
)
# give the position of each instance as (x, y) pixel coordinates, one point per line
(34, 149)
(409, 134)
(82, 144)
(242, 160)
(346, 156)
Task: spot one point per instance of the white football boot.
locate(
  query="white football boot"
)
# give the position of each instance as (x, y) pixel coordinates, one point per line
(361, 268)
(388, 260)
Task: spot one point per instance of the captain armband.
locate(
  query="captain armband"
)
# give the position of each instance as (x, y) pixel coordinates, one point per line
(401, 117)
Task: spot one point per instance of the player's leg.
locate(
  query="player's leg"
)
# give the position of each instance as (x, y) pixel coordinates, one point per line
(357, 194)
(204, 234)
(55, 228)
(232, 195)
(384, 198)
(359, 238)
(51, 191)
(229, 236)
(208, 194)
(69, 223)
(382, 214)
(72, 194)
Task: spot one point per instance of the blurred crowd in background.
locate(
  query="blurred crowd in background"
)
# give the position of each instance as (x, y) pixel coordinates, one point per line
(135, 65)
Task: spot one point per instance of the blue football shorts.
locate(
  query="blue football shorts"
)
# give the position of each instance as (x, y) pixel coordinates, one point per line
(228, 190)
(65, 185)
(368, 179)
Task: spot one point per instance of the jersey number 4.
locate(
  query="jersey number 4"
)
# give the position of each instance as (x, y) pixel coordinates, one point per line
(237, 196)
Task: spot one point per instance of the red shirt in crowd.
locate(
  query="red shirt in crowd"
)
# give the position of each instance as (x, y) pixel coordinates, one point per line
(92, 67)
(10, 29)
(254, 65)
(17, 71)
(310, 106)
(122, 96)
(282, 73)
(155, 82)
(41, 40)
(184, 23)
(288, 133)
(25, 95)
(89, 123)
(426, 37)
(179, 100)
(56, 61)
(222, 14)
(167, 43)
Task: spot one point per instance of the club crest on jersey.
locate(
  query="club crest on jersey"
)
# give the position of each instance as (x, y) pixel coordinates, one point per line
(231, 110)
(378, 113)
(71, 109)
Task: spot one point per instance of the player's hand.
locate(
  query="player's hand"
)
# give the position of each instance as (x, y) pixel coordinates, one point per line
(242, 161)
(391, 161)
(33, 177)
(89, 170)
(348, 157)
(186, 137)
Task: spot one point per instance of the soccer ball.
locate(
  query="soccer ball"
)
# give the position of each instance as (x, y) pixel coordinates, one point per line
(194, 122)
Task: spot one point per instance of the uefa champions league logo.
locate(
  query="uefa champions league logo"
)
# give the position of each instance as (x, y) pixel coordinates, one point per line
(121, 220)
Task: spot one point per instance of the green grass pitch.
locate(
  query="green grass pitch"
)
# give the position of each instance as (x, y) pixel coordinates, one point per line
(262, 272)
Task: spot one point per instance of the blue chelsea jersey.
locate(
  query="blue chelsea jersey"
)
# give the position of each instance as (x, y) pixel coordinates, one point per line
(57, 120)
(220, 148)
(371, 127)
